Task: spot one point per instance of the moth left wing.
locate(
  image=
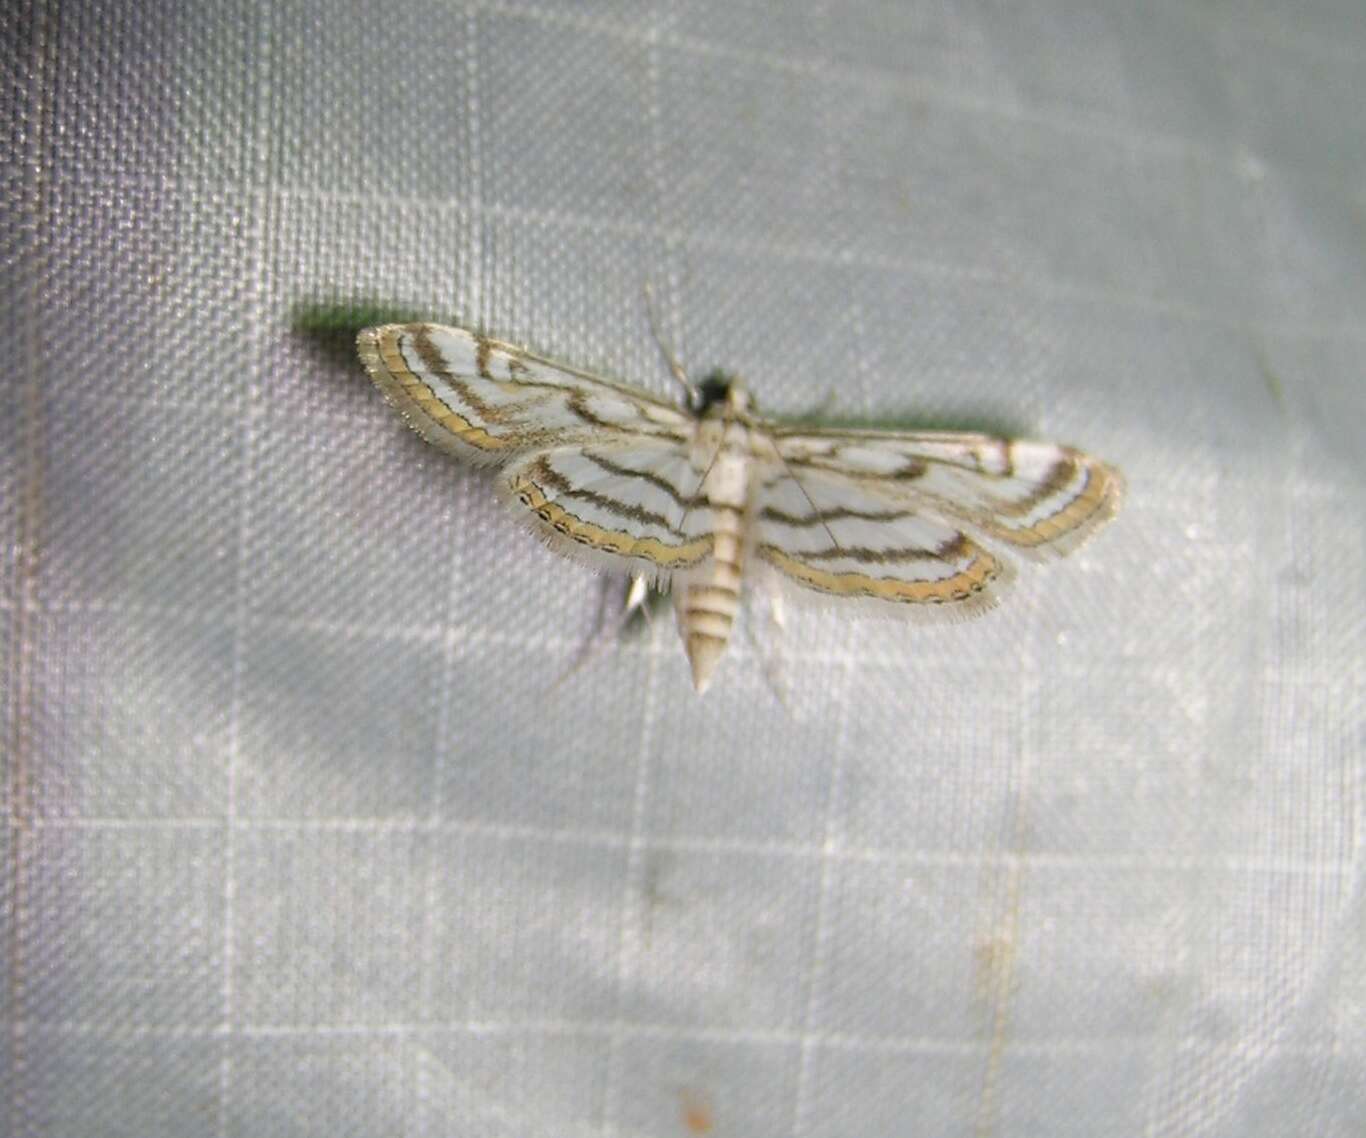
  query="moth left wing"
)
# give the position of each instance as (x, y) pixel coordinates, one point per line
(634, 506)
(490, 402)
(1035, 498)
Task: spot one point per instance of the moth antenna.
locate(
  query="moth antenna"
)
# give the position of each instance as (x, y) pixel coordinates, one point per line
(675, 368)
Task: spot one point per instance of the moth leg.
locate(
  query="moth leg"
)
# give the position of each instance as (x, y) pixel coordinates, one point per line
(637, 603)
(777, 610)
(637, 593)
(768, 649)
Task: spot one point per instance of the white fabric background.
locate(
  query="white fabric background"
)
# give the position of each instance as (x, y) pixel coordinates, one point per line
(301, 839)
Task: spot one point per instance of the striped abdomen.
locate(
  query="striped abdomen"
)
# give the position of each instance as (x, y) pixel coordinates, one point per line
(707, 605)
(706, 599)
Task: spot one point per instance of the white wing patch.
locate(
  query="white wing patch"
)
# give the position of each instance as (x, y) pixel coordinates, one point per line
(697, 497)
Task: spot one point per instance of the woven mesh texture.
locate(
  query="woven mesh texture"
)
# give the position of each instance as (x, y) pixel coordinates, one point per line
(311, 826)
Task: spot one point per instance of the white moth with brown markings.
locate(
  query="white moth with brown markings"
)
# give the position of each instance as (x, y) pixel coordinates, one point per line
(703, 496)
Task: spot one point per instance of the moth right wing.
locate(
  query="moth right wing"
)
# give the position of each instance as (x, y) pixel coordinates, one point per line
(1038, 499)
(489, 402)
(838, 536)
(922, 520)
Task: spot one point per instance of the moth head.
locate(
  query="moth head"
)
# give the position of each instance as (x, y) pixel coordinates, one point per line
(721, 389)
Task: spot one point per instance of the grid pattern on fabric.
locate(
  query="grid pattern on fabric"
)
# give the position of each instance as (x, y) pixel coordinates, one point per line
(311, 824)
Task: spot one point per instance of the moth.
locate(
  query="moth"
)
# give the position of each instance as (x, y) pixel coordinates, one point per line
(704, 496)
